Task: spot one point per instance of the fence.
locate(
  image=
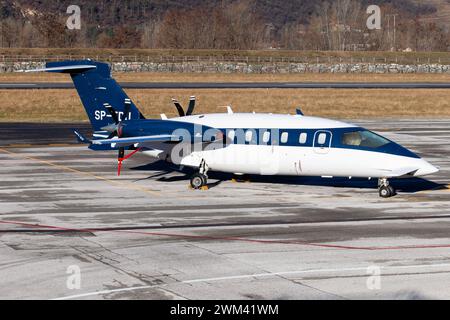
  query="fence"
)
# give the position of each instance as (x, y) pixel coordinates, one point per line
(391, 59)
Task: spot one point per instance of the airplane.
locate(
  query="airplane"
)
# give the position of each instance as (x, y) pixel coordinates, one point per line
(237, 143)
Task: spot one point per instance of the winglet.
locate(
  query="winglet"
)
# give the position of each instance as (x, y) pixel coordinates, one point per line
(81, 138)
(299, 112)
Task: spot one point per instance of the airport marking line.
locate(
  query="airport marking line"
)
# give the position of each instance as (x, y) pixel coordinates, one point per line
(20, 145)
(49, 145)
(79, 172)
(252, 276)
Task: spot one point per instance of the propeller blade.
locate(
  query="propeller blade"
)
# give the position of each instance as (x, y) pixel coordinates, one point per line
(127, 109)
(120, 159)
(179, 107)
(112, 112)
(114, 129)
(110, 128)
(191, 107)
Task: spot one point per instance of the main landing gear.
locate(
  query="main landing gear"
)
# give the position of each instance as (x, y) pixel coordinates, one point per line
(199, 180)
(385, 190)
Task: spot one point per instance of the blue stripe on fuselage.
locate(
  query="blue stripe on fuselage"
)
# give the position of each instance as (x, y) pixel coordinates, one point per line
(337, 133)
(135, 128)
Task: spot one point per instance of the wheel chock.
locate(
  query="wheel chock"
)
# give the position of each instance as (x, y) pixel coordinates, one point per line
(204, 188)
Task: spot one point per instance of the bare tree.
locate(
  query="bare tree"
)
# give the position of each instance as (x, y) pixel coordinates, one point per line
(52, 29)
(235, 26)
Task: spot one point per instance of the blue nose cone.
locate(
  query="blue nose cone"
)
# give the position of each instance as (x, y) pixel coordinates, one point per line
(398, 150)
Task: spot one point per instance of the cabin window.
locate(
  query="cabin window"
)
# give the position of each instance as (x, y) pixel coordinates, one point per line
(266, 136)
(284, 137)
(363, 138)
(303, 137)
(248, 136)
(322, 138)
(231, 135)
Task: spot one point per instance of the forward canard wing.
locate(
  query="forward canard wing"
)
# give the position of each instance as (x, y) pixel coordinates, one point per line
(407, 171)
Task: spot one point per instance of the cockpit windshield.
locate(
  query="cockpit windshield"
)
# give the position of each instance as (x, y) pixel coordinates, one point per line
(363, 138)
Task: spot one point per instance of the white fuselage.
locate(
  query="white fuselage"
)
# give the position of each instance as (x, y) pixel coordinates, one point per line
(301, 160)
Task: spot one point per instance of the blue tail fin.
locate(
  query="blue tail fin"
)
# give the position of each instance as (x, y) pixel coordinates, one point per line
(97, 89)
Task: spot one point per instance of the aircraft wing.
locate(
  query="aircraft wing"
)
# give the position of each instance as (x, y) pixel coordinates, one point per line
(122, 142)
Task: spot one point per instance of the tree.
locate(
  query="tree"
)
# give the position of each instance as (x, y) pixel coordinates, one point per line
(52, 29)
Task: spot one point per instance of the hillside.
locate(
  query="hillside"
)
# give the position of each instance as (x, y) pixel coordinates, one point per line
(114, 12)
(224, 24)
(442, 13)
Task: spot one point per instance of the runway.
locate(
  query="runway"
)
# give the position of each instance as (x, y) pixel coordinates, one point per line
(242, 85)
(146, 235)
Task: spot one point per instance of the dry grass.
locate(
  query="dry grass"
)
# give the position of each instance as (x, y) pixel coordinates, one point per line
(196, 77)
(64, 105)
(235, 77)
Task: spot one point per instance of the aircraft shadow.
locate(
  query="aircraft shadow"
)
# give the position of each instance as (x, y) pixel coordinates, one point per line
(411, 185)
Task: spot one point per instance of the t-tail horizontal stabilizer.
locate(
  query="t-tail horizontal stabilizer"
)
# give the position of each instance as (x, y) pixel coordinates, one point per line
(63, 69)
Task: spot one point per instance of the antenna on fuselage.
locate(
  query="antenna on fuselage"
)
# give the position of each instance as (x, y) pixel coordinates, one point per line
(299, 112)
(229, 109)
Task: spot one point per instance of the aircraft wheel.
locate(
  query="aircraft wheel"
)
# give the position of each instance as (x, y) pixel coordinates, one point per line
(198, 181)
(386, 191)
(392, 190)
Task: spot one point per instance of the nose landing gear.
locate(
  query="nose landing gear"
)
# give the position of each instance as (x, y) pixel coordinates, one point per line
(385, 189)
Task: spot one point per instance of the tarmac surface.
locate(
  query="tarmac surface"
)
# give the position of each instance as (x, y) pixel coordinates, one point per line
(146, 235)
(243, 85)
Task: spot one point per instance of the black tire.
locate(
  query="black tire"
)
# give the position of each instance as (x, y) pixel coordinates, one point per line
(392, 191)
(386, 192)
(198, 181)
